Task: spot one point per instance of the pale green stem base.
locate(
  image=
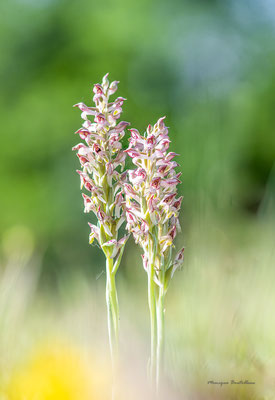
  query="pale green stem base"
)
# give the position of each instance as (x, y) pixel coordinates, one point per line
(160, 338)
(153, 323)
(113, 316)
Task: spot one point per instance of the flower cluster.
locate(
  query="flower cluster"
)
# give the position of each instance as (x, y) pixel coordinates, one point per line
(146, 197)
(102, 160)
(152, 205)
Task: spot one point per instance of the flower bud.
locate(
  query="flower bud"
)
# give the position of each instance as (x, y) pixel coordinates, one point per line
(113, 87)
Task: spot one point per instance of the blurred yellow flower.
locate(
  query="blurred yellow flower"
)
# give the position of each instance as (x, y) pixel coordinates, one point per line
(58, 372)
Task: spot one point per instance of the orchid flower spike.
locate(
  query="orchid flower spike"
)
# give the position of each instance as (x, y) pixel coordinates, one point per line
(102, 162)
(152, 215)
(152, 203)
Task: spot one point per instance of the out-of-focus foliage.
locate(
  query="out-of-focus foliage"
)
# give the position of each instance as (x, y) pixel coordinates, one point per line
(57, 372)
(219, 314)
(208, 66)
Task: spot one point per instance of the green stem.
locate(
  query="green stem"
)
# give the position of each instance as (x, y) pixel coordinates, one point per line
(153, 321)
(112, 310)
(160, 340)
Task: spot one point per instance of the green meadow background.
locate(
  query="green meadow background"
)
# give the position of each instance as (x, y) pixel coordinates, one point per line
(209, 66)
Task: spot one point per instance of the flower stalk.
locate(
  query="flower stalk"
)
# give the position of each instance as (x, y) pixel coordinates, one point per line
(152, 214)
(112, 309)
(160, 336)
(102, 163)
(152, 309)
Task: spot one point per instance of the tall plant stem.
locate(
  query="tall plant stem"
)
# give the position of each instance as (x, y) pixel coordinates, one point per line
(160, 337)
(153, 316)
(112, 311)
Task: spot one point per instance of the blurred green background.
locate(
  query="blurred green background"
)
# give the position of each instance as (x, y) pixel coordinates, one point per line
(209, 66)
